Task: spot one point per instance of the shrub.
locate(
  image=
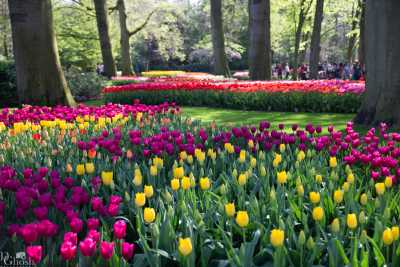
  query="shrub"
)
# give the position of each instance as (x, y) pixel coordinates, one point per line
(284, 102)
(8, 84)
(84, 86)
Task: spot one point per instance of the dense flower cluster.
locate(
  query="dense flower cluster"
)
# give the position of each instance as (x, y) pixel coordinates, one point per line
(319, 86)
(141, 185)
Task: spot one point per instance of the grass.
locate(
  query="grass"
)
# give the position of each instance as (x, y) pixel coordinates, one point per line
(228, 117)
(239, 117)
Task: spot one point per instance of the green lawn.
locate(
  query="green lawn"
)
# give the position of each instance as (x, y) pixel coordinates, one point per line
(239, 117)
(228, 117)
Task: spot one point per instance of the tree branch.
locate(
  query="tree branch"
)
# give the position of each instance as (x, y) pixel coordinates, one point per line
(141, 27)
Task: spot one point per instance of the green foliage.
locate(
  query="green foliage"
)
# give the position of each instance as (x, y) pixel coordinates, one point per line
(84, 86)
(8, 84)
(291, 102)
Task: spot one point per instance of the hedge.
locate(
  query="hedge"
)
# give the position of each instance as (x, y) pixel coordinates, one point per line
(262, 101)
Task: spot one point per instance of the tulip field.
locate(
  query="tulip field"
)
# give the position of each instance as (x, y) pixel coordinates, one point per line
(141, 185)
(337, 96)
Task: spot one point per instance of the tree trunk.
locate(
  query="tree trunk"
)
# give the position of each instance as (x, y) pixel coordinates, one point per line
(40, 79)
(220, 62)
(125, 48)
(316, 39)
(299, 30)
(352, 39)
(303, 53)
(105, 43)
(5, 46)
(382, 98)
(260, 40)
(361, 46)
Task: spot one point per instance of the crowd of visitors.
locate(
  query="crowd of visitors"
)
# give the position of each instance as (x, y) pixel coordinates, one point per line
(326, 70)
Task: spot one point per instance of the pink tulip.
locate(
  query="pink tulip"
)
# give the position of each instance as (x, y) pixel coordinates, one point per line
(68, 250)
(107, 249)
(34, 253)
(120, 229)
(127, 250)
(87, 247)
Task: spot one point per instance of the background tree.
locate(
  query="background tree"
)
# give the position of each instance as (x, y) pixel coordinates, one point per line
(355, 17)
(105, 43)
(382, 99)
(40, 79)
(362, 40)
(316, 39)
(126, 35)
(260, 40)
(220, 62)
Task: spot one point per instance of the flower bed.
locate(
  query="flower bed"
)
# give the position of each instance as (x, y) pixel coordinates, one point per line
(118, 185)
(316, 96)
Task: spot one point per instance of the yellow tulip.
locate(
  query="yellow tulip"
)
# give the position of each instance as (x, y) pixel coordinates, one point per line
(282, 148)
(350, 178)
(148, 191)
(387, 237)
(183, 155)
(205, 183)
(178, 172)
(364, 199)
(153, 170)
(138, 178)
(149, 215)
(186, 183)
(89, 167)
(282, 177)
(242, 179)
(346, 186)
(338, 196)
(388, 182)
(332, 162)
(242, 156)
(253, 162)
(395, 232)
(107, 178)
(300, 190)
(242, 218)
(301, 155)
(352, 221)
(277, 237)
(230, 209)
(318, 178)
(380, 188)
(314, 197)
(175, 184)
(318, 213)
(80, 169)
(335, 225)
(185, 246)
(140, 199)
(250, 144)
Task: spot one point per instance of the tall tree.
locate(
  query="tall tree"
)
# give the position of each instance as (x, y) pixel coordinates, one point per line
(382, 100)
(105, 43)
(40, 79)
(361, 46)
(355, 17)
(126, 35)
(260, 39)
(316, 39)
(220, 62)
(305, 6)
